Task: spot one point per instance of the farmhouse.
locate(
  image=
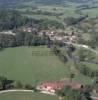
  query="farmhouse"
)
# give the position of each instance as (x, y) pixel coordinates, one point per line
(29, 29)
(47, 32)
(52, 86)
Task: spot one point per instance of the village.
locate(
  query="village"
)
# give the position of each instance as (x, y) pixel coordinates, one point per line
(68, 36)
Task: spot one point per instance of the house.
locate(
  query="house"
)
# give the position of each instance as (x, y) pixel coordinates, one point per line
(52, 86)
(73, 39)
(29, 29)
(47, 32)
(58, 38)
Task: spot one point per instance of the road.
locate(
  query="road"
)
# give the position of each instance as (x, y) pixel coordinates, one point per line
(15, 90)
(82, 46)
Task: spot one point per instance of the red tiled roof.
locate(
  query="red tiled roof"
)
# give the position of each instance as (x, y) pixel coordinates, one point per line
(58, 85)
(53, 85)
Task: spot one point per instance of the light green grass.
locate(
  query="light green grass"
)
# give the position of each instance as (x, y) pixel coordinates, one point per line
(69, 11)
(19, 64)
(91, 12)
(26, 96)
(37, 17)
(92, 66)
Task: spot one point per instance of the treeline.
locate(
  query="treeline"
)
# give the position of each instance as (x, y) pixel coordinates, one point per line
(23, 39)
(51, 2)
(84, 7)
(6, 84)
(59, 53)
(67, 93)
(12, 19)
(87, 71)
(74, 21)
(46, 24)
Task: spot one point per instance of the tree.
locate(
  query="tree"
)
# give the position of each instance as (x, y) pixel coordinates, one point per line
(71, 94)
(4, 82)
(28, 86)
(19, 85)
(81, 54)
(72, 76)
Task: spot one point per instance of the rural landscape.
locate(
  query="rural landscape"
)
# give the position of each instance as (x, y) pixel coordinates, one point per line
(48, 49)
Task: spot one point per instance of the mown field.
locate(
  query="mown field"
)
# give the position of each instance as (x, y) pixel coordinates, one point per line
(31, 64)
(35, 64)
(26, 96)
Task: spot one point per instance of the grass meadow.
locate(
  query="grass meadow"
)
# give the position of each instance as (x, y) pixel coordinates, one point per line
(35, 64)
(26, 96)
(31, 64)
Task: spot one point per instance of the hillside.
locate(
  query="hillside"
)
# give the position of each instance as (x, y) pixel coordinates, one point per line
(10, 3)
(14, 3)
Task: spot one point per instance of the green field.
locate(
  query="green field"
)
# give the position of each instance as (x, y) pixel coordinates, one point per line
(21, 65)
(26, 96)
(93, 12)
(68, 11)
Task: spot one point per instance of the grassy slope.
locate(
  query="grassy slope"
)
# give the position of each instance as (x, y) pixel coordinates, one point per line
(26, 96)
(20, 64)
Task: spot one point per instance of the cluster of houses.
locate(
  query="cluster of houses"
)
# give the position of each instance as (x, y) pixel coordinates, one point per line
(51, 87)
(55, 35)
(60, 36)
(28, 29)
(52, 34)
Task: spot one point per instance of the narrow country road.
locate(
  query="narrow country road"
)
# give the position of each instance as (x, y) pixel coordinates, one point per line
(16, 90)
(82, 46)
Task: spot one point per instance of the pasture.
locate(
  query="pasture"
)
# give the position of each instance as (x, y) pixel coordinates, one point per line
(26, 96)
(34, 64)
(31, 64)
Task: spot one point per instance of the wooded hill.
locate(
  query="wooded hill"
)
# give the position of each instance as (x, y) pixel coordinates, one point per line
(14, 3)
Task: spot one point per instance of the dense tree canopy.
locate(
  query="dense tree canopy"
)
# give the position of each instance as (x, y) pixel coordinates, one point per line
(12, 19)
(71, 94)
